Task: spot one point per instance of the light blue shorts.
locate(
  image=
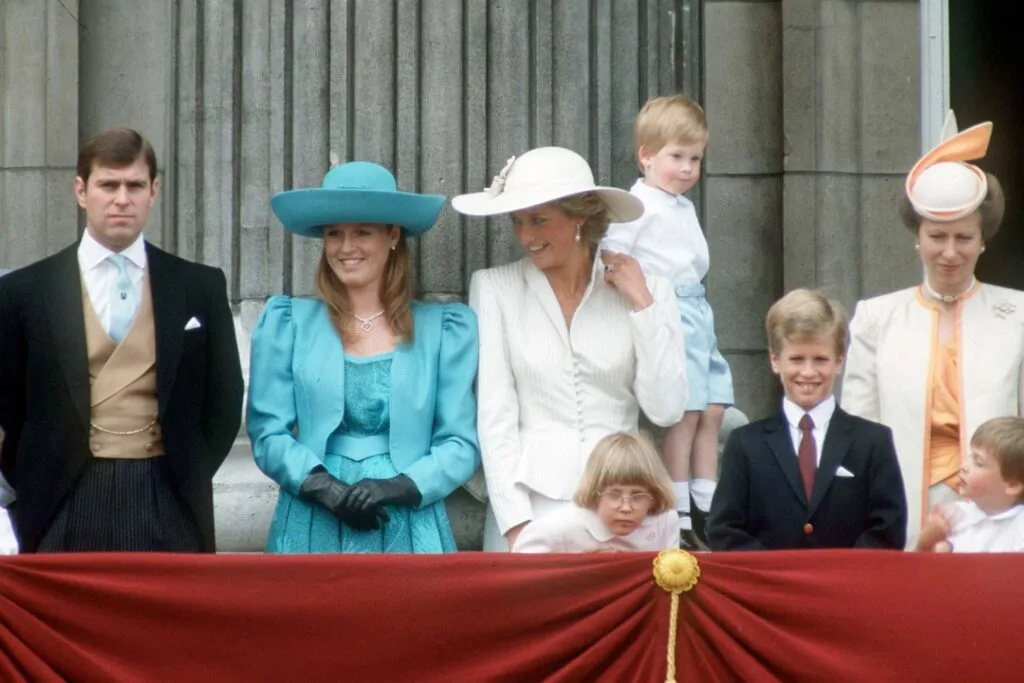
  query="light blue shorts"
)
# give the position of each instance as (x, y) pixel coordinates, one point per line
(706, 369)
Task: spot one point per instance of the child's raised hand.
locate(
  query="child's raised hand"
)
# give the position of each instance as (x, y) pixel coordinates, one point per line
(937, 528)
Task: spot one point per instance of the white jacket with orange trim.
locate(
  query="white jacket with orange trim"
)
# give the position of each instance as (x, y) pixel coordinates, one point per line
(888, 371)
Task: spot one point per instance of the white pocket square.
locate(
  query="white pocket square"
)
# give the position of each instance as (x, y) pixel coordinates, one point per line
(192, 324)
(843, 472)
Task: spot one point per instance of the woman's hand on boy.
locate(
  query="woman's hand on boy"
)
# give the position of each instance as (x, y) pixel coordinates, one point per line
(622, 272)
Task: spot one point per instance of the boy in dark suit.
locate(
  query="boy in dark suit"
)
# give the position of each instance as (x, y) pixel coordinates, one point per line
(812, 475)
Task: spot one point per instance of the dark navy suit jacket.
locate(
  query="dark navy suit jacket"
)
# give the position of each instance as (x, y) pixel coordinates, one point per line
(760, 502)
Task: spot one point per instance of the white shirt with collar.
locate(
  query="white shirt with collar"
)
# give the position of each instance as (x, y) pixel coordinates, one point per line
(573, 529)
(667, 240)
(821, 414)
(976, 532)
(100, 274)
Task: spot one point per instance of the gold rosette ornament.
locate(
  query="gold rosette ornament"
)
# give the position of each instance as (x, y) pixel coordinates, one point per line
(675, 571)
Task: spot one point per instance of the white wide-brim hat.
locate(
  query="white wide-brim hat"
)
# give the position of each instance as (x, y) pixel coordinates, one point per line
(541, 176)
(942, 186)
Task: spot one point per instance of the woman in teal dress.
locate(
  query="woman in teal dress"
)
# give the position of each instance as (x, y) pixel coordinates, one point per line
(361, 403)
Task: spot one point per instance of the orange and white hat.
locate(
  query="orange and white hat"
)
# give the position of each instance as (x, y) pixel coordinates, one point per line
(942, 186)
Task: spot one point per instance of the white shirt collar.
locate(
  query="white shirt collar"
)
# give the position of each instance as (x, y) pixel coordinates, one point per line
(820, 414)
(91, 253)
(656, 194)
(975, 514)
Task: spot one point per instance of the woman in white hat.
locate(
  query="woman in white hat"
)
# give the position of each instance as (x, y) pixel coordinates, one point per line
(361, 401)
(572, 344)
(936, 360)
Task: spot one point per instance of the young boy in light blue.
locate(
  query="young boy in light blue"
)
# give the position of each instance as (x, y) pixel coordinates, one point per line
(669, 136)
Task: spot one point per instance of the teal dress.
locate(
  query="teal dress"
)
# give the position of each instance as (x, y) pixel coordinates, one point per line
(410, 412)
(358, 449)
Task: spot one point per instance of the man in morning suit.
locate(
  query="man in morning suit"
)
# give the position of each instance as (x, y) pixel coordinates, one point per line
(120, 383)
(812, 476)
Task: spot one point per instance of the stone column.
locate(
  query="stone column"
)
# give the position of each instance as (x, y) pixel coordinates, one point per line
(743, 186)
(38, 128)
(851, 120)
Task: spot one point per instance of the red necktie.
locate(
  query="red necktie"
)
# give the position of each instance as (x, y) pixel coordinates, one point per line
(807, 453)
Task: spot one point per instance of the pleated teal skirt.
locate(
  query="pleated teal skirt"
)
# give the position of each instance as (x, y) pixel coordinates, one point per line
(307, 527)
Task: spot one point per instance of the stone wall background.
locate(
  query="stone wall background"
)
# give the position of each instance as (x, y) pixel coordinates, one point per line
(814, 108)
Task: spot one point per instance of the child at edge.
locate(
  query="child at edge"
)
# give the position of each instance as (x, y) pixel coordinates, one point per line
(811, 475)
(990, 518)
(624, 502)
(669, 138)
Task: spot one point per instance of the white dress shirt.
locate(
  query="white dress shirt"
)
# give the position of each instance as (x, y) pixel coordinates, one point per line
(8, 543)
(976, 532)
(99, 274)
(666, 240)
(821, 415)
(547, 394)
(573, 529)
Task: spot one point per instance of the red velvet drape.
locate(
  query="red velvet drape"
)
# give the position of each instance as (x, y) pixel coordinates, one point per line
(811, 616)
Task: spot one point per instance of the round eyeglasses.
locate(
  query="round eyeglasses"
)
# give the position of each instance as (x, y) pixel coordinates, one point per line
(633, 499)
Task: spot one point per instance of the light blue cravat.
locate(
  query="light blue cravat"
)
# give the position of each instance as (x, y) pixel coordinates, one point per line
(123, 300)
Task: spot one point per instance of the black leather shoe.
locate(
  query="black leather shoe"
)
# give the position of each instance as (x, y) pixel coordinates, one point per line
(700, 520)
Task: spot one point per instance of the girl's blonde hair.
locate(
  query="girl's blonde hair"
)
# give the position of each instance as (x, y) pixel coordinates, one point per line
(625, 459)
(395, 293)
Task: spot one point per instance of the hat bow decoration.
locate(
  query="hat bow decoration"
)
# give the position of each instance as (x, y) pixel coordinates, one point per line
(498, 184)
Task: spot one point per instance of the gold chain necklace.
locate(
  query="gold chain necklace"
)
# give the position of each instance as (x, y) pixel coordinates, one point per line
(366, 324)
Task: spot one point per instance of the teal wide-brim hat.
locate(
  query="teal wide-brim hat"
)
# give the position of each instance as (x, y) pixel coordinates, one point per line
(356, 192)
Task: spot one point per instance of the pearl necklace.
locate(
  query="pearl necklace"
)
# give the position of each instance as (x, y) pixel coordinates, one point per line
(946, 298)
(367, 323)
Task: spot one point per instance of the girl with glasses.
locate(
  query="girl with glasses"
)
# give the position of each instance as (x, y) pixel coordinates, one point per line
(624, 502)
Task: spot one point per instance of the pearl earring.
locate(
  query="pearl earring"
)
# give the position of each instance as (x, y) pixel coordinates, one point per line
(917, 246)
(579, 235)
(983, 250)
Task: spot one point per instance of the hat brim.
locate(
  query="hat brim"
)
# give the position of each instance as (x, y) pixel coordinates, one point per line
(622, 205)
(305, 212)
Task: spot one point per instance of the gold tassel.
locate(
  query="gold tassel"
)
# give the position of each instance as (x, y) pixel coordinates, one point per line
(675, 571)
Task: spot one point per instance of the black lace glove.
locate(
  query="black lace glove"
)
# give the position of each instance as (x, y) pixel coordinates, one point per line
(366, 494)
(328, 491)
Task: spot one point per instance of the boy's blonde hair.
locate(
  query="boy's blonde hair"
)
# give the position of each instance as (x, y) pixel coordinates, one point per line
(625, 459)
(664, 120)
(1003, 439)
(805, 315)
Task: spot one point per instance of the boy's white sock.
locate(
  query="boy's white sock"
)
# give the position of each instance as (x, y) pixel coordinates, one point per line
(682, 491)
(703, 491)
